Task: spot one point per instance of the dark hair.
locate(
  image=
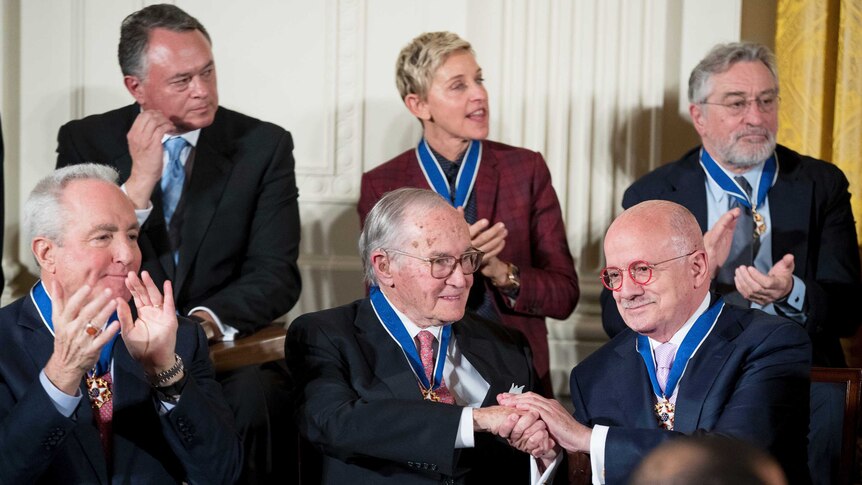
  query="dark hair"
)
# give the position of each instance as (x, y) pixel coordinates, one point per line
(135, 34)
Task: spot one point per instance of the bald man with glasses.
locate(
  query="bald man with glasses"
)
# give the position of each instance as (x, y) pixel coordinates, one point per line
(687, 362)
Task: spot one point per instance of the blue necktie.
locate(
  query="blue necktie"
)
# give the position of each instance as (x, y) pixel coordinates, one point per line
(172, 180)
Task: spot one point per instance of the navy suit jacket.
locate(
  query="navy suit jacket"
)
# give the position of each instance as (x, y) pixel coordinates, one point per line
(513, 186)
(748, 380)
(812, 220)
(240, 230)
(360, 405)
(194, 442)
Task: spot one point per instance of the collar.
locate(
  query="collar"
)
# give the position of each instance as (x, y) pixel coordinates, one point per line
(191, 137)
(411, 327)
(752, 176)
(680, 334)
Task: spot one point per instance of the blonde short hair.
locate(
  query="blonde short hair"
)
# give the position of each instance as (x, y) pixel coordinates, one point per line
(419, 60)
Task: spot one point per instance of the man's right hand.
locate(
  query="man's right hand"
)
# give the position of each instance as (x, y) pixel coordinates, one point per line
(75, 350)
(145, 148)
(718, 239)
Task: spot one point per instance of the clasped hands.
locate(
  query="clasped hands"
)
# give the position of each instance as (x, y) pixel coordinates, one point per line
(533, 424)
(750, 282)
(150, 338)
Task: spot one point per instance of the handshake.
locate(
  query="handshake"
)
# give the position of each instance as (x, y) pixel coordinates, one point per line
(533, 424)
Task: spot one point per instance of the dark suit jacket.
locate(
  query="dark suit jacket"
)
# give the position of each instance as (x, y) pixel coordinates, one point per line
(194, 442)
(812, 220)
(513, 186)
(240, 232)
(360, 405)
(2, 204)
(748, 380)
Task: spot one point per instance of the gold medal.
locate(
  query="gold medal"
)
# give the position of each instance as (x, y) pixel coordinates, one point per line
(664, 410)
(759, 223)
(430, 395)
(98, 391)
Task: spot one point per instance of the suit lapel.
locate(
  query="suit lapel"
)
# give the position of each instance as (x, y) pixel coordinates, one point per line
(478, 351)
(633, 386)
(209, 177)
(486, 184)
(689, 188)
(40, 348)
(702, 371)
(383, 355)
(790, 218)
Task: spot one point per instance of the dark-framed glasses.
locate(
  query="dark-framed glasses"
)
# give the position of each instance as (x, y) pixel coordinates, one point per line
(443, 266)
(640, 271)
(737, 105)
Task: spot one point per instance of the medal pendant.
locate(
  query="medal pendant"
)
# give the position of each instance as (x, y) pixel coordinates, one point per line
(664, 411)
(98, 391)
(430, 395)
(759, 224)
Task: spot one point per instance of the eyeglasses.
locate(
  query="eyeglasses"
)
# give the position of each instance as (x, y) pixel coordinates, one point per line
(443, 266)
(640, 271)
(737, 105)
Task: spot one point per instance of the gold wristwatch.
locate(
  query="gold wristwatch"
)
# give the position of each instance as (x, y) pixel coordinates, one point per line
(513, 278)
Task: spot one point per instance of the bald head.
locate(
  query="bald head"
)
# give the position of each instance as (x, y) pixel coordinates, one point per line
(666, 238)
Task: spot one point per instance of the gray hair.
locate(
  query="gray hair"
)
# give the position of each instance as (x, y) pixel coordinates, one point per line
(44, 214)
(384, 226)
(721, 58)
(418, 61)
(135, 34)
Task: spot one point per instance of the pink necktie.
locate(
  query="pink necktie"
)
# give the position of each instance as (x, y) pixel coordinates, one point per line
(103, 417)
(664, 355)
(426, 354)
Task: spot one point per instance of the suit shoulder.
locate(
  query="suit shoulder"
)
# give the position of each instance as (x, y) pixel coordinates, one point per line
(101, 132)
(233, 124)
(809, 167)
(477, 326)
(11, 313)
(336, 319)
(759, 326)
(392, 167)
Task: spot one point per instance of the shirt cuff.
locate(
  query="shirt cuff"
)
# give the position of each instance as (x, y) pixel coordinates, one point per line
(140, 214)
(228, 332)
(548, 475)
(597, 453)
(796, 298)
(792, 306)
(465, 438)
(64, 403)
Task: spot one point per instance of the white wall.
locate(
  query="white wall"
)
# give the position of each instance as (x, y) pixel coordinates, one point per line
(591, 84)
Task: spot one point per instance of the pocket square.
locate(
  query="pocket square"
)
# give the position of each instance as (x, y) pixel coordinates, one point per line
(516, 389)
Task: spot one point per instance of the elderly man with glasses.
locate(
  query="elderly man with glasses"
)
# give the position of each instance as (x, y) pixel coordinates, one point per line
(687, 363)
(401, 387)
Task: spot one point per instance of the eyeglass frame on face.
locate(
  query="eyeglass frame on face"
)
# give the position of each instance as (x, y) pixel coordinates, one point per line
(649, 266)
(766, 103)
(435, 261)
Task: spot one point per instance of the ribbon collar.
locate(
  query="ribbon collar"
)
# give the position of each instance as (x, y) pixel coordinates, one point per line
(42, 301)
(466, 173)
(692, 340)
(386, 314)
(767, 179)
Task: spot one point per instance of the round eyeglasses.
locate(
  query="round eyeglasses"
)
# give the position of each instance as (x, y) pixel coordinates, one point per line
(640, 271)
(443, 266)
